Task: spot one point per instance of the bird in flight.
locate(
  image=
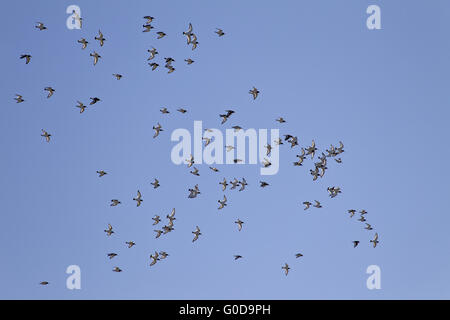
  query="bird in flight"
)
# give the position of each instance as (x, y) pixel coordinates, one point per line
(40, 26)
(81, 106)
(237, 256)
(194, 192)
(189, 61)
(307, 205)
(83, 42)
(147, 27)
(94, 100)
(355, 243)
(157, 219)
(130, 244)
(195, 172)
(222, 203)
(286, 268)
(160, 34)
(190, 161)
(234, 183)
(158, 233)
(182, 110)
(197, 233)
(100, 38)
(46, 135)
(50, 91)
(317, 204)
(19, 98)
(239, 223)
(96, 56)
(157, 129)
(152, 52)
(111, 255)
(254, 92)
(44, 283)
(280, 120)
(115, 202)
(27, 58)
(117, 269)
(117, 76)
(101, 173)
(155, 183)
(375, 240)
(109, 231)
(263, 184)
(298, 255)
(154, 258)
(224, 184)
(219, 32)
(352, 212)
(154, 65)
(149, 19)
(243, 184)
(138, 199)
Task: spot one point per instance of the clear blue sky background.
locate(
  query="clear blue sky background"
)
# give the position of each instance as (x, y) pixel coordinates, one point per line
(384, 93)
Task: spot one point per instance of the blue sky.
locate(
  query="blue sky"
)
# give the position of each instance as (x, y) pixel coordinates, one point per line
(382, 92)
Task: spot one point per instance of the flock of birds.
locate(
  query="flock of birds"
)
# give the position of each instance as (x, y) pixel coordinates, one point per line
(319, 169)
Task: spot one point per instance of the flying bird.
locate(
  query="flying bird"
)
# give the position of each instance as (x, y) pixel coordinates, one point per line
(157, 129)
(27, 58)
(19, 98)
(224, 184)
(101, 173)
(115, 202)
(117, 76)
(160, 34)
(254, 92)
(130, 244)
(194, 192)
(197, 233)
(111, 255)
(147, 27)
(152, 52)
(109, 231)
(94, 100)
(81, 106)
(96, 56)
(355, 243)
(154, 65)
(40, 26)
(219, 32)
(157, 219)
(307, 205)
(155, 183)
(83, 42)
(239, 223)
(222, 203)
(286, 268)
(263, 184)
(46, 135)
(100, 38)
(50, 91)
(138, 199)
(375, 240)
